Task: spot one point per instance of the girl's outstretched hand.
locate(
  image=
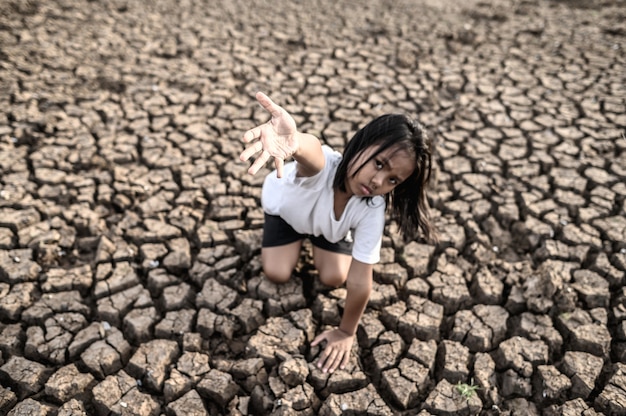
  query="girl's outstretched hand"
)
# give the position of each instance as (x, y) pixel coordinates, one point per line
(276, 138)
(337, 351)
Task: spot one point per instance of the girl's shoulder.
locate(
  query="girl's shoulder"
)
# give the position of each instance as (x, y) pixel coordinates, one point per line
(369, 206)
(377, 202)
(333, 159)
(331, 153)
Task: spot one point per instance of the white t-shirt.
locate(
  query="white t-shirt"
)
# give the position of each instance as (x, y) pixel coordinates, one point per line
(306, 203)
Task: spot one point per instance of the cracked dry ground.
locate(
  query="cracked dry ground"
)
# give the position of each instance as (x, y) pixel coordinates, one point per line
(130, 279)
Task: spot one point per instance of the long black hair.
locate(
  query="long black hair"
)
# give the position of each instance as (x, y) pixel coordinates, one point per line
(407, 202)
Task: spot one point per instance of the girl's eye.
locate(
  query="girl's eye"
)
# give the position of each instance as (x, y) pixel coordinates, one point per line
(393, 181)
(379, 164)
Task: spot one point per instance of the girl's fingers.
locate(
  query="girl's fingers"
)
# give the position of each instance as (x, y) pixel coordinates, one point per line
(258, 164)
(274, 109)
(279, 163)
(252, 134)
(321, 337)
(344, 362)
(323, 357)
(337, 359)
(329, 362)
(250, 150)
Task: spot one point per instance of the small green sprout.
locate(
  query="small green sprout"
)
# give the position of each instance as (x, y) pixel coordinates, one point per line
(467, 391)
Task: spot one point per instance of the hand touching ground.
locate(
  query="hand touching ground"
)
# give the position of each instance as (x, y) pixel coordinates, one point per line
(337, 351)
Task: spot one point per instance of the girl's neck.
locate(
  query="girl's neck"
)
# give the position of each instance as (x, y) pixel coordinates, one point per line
(341, 199)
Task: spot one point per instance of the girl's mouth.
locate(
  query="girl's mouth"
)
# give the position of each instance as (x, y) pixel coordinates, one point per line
(366, 191)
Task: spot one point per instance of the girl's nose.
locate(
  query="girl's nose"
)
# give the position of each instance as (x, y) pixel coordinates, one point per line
(376, 181)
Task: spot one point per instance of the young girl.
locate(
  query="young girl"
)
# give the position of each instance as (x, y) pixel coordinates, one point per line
(338, 203)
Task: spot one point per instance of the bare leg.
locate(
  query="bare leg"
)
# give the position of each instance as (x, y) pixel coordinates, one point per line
(332, 267)
(279, 262)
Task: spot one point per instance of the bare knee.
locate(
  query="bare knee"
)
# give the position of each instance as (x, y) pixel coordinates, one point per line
(332, 267)
(279, 262)
(277, 274)
(332, 278)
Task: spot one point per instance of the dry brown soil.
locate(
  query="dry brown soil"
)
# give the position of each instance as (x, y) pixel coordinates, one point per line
(130, 279)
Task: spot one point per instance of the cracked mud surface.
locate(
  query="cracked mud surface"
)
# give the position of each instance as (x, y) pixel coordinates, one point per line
(130, 279)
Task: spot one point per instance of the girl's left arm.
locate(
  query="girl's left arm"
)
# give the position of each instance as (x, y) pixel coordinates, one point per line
(358, 290)
(340, 340)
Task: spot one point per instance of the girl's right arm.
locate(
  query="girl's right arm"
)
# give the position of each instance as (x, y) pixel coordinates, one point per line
(280, 139)
(339, 341)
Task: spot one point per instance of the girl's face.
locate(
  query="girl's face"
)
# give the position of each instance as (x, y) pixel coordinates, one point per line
(380, 175)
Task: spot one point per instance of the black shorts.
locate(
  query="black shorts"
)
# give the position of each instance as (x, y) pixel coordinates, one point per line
(276, 232)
